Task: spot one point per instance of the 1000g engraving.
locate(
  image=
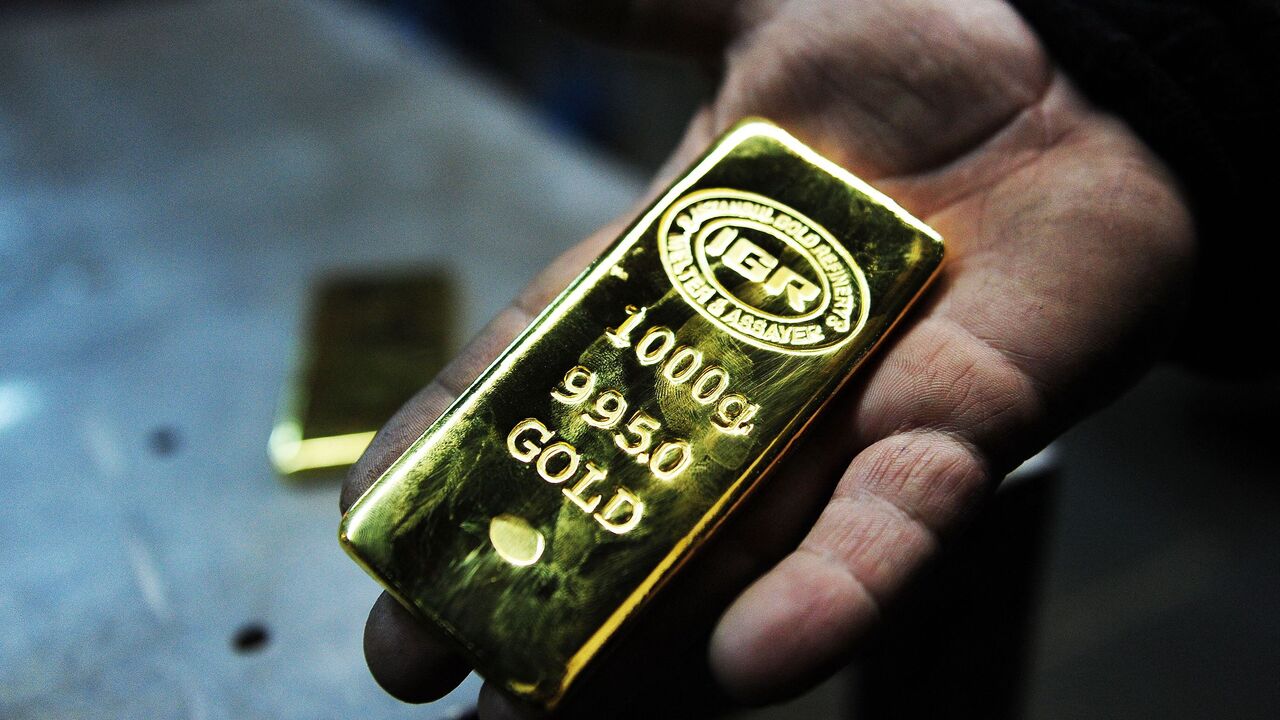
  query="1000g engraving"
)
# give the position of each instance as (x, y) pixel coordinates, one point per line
(557, 462)
(680, 364)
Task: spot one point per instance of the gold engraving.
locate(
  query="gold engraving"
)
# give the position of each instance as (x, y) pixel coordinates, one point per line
(557, 462)
(544, 508)
(519, 444)
(621, 335)
(763, 271)
(622, 514)
(575, 494)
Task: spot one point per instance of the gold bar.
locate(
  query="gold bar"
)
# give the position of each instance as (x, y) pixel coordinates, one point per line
(537, 515)
(372, 341)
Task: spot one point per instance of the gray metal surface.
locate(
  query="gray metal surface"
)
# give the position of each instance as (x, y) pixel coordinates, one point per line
(171, 179)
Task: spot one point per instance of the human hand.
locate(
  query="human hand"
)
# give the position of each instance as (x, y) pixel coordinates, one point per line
(1068, 245)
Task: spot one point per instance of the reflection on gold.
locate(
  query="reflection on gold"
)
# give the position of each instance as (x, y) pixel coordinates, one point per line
(516, 540)
(290, 453)
(615, 434)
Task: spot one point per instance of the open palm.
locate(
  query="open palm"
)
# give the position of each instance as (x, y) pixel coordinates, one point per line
(1068, 245)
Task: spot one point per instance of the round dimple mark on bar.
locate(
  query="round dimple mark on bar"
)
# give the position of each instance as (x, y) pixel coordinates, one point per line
(515, 540)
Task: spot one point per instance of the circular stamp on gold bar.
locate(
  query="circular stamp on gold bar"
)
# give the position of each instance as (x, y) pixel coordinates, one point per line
(762, 271)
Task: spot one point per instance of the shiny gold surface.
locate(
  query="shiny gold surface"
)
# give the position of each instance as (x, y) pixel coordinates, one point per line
(598, 451)
(371, 343)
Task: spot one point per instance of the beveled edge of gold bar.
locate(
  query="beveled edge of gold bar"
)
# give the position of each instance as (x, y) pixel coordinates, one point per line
(365, 508)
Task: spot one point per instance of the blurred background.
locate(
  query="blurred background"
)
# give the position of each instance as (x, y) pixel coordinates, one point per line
(178, 183)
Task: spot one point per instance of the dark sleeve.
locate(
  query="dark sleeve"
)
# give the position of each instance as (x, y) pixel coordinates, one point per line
(1199, 81)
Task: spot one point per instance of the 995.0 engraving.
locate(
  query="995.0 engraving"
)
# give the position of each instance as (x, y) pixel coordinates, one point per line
(667, 460)
(639, 437)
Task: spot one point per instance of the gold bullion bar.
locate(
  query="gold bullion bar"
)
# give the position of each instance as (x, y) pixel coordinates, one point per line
(372, 341)
(600, 449)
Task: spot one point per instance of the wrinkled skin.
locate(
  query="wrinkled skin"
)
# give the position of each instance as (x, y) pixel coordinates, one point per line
(1068, 248)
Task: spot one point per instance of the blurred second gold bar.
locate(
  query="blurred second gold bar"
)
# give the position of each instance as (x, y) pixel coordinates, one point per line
(557, 494)
(372, 341)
